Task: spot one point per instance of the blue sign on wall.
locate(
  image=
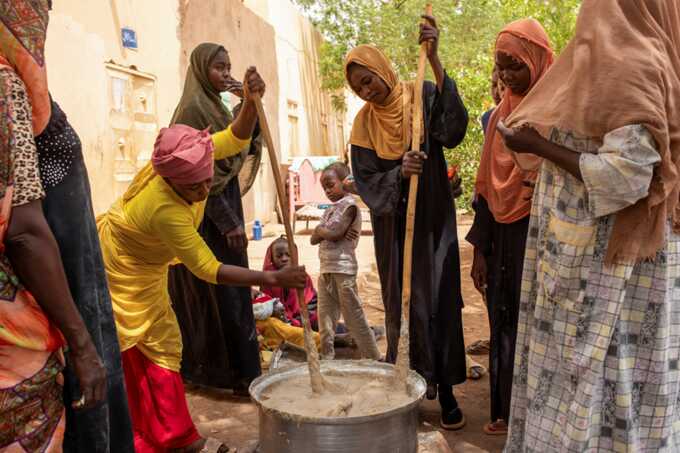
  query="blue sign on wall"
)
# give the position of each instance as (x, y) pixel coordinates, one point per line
(129, 37)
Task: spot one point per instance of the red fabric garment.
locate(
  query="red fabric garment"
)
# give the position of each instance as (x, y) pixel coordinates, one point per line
(158, 407)
(261, 299)
(287, 297)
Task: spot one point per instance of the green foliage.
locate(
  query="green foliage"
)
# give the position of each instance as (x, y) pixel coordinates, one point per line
(468, 31)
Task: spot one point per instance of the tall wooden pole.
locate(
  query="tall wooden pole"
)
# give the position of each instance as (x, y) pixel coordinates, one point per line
(403, 356)
(318, 382)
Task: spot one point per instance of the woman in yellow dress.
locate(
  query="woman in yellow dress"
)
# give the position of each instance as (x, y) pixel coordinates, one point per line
(153, 225)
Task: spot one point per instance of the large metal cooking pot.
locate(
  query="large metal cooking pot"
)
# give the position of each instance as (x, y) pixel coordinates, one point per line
(390, 432)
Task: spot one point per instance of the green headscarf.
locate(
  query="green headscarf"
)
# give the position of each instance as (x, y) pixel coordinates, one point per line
(201, 107)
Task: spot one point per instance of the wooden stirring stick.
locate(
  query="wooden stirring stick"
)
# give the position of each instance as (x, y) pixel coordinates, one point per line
(403, 353)
(318, 382)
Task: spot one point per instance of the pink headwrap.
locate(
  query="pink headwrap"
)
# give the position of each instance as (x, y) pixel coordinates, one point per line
(183, 154)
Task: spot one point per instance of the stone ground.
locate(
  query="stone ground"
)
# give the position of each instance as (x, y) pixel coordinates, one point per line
(234, 420)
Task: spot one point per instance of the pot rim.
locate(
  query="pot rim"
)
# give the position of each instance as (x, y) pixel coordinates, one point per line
(416, 382)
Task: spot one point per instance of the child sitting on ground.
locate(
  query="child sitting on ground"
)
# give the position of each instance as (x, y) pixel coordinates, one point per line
(273, 324)
(338, 236)
(278, 257)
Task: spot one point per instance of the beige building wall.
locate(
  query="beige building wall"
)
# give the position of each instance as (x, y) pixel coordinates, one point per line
(117, 99)
(308, 124)
(115, 110)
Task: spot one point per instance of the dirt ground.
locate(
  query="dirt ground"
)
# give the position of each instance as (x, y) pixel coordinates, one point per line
(234, 420)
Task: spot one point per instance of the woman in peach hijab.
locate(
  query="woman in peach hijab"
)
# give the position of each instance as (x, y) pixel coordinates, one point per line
(598, 344)
(498, 234)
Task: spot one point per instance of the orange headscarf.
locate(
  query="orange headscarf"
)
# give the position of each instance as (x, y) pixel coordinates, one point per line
(386, 129)
(622, 67)
(23, 29)
(500, 181)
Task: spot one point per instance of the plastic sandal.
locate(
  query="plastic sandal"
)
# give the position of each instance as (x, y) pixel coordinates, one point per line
(492, 428)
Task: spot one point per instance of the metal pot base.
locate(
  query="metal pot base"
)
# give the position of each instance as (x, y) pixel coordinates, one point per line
(394, 431)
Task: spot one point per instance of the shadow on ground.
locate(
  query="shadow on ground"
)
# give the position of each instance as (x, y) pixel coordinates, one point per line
(234, 420)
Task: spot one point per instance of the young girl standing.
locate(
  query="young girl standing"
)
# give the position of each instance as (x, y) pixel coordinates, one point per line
(499, 232)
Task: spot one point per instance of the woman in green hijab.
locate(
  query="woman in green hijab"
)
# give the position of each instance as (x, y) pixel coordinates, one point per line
(218, 329)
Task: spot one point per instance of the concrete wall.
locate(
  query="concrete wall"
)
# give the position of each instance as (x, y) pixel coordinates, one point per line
(88, 69)
(309, 126)
(82, 37)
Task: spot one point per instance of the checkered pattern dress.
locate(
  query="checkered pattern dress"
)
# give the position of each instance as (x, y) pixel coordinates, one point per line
(596, 365)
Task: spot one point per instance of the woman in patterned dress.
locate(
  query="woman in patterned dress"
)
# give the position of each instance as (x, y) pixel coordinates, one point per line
(36, 320)
(598, 346)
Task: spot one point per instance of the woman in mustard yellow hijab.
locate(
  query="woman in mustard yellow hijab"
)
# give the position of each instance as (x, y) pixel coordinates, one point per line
(381, 165)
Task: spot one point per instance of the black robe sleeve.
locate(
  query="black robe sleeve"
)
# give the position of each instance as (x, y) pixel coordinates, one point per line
(485, 119)
(481, 232)
(449, 117)
(219, 210)
(380, 184)
(380, 188)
